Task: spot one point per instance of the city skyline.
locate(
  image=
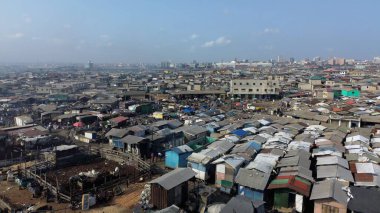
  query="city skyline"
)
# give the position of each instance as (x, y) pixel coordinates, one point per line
(153, 31)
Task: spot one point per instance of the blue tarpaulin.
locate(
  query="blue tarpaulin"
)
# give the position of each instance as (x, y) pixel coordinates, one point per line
(255, 145)
(188, 110)
(240, 133)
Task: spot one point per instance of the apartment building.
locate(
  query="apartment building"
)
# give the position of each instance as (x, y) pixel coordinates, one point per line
(255, 88)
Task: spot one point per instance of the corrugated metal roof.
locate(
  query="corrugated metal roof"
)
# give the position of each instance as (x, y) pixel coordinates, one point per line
(174, 178)
(260, 139)
(233, 160)
(182, 149)
(295, 126)
(367, 168)
(249, 147)
(299, 145)
(295, 183)
(119, 119)
(239, 132)
(363, 177)
(241, 203)
(298, 171)
(192, 130)
(334, 171)
(364, 200)
(131, 139)
(252, 178)
(221, 146)
(329, 189)
(332, 160)
(263, 162)
(117, 133)
(294, 161)
(302, 153)
(198, 158)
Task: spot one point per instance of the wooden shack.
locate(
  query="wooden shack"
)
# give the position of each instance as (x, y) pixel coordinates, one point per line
(171, 188)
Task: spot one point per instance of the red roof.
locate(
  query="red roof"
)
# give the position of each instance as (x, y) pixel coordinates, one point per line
(363, 177)
(337, 109)
(119, 119)
(295, 183)
(78, 124)
(352, 166)
(329, 70)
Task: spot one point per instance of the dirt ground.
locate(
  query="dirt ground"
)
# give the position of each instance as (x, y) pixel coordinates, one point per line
(99, 165)
(110, 209)
(20, 198)
(123, 203)
(119, 204)
(130, 197)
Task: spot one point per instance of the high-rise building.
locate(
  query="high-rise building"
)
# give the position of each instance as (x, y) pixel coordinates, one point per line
(337, 61)
(165, 64)
(89, 65)
(376, 60)
(340, 61)
(291, 60)
(331, 61)
(317, 59)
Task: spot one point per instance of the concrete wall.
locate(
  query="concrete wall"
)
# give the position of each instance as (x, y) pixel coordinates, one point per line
(254, 86)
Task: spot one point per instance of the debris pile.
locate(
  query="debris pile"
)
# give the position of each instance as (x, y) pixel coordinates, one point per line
(145, 197)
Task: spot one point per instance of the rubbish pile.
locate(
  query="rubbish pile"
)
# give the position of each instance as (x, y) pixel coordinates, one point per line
(90, 174)
(145, 197)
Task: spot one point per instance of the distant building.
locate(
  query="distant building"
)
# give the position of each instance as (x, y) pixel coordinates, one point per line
(314, 82)
(340, 61)
(348, 92)
(376, 60)
(23, 120)
(255, 88)
(336, 61)
(165, 65)
(89, 65)
(292, 60)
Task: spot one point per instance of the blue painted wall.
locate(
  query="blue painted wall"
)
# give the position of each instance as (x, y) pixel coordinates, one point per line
(171, 159)
(174, 160)
(118, 143)
(251, 193)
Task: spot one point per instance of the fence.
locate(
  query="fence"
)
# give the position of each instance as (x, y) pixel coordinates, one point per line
(9, 162)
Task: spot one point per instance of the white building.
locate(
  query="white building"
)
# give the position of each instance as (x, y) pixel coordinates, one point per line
(23, 120)
(255, 88)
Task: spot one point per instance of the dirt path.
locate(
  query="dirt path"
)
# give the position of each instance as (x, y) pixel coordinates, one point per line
(131, 196)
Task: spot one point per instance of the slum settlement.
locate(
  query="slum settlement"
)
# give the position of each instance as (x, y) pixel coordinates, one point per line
(230, 137)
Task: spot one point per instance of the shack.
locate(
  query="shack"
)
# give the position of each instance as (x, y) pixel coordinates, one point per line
(227, 168)
(201, 162)
(118, 121)
(171, 188)
(243, 204)
(328, 196)
(115, 135)
(290, 191)
(177, 156)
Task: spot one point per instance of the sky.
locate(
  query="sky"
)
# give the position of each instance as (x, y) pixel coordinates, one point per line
(150, 31)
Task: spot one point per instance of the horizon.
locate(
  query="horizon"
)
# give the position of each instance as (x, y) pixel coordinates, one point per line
(41, 31)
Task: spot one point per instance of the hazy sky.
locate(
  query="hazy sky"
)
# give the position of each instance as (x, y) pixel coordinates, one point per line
(183, 30)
